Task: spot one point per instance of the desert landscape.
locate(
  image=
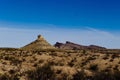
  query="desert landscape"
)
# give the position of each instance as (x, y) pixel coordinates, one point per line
(63, 61)
(59, 39)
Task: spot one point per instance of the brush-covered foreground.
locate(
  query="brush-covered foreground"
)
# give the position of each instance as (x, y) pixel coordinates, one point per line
(18, 64)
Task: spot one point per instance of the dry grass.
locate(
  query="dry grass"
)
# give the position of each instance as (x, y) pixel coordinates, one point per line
(16, 64)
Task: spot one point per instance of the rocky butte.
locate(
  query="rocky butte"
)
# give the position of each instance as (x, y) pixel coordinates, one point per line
(39, 43)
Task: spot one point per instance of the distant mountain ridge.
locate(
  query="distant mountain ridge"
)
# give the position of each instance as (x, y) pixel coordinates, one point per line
(74, 46)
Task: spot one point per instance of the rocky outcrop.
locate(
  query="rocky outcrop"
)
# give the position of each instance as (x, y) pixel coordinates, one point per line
(73, 46)
(39, 43)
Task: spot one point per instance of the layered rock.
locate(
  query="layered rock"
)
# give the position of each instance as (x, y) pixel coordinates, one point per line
(73, 46)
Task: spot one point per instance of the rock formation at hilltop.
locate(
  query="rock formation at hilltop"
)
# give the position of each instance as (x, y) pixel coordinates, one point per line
(73, 46)
(39, 43)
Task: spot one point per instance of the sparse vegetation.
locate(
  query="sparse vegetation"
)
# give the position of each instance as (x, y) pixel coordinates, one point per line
(35, 65)
(43, 73)
(58, 64)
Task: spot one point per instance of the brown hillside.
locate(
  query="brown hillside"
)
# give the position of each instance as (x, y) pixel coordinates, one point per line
(39, 43)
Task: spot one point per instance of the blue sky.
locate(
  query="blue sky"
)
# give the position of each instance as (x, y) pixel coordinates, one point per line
(81, 21)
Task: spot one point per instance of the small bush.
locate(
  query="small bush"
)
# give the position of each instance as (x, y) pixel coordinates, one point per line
(41, 73)
(80, 75)
(93, 67)
(8, 77)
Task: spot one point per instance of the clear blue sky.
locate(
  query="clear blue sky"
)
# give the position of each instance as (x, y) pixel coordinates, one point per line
(101, 14)
(67, 14)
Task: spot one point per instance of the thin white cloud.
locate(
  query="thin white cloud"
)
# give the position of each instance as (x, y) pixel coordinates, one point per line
(12, 37)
